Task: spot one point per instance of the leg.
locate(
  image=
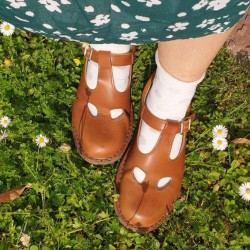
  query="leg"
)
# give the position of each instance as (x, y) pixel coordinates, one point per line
(188, 59)
(150, 175)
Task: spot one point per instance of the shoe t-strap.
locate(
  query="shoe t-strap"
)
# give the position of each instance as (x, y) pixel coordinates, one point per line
(182, 126)
(115, 59)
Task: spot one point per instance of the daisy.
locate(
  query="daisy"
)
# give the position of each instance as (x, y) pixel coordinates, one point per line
(219, 143)
(65, 148)
(244, 191)
(5, 121)
(25, 239)
(3, 135)
(41, 141)
(220, 130)
(7, 29)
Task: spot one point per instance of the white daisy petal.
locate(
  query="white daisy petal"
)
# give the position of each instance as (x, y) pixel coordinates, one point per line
(244, 191)
(5, 121)
(3, 135)
(219, 143)
(220, 130)
(25, 239)
(7, 29)
(41, 141)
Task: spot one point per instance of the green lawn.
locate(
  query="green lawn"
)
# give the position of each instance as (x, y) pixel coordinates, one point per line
(70, 204)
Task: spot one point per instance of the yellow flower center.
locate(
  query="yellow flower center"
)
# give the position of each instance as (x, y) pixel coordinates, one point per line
(41, 140)
(7, 62)
(26, 240)
(219, 142)
(219, 131)
(5, 121)
(7, 27)
(248, 191)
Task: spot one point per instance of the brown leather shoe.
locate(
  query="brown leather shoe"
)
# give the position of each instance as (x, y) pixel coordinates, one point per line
(149, 184)
(100, 138)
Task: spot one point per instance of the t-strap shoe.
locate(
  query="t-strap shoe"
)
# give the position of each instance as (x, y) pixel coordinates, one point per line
(102, 117)
(149, 184)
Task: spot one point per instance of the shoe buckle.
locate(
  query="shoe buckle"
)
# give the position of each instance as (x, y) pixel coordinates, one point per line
(86, 47)
(90, 54)
(183, 123)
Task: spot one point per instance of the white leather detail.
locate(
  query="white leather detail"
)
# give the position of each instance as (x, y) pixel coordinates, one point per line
(176, 146)
(114, 113)
(139, 175)
(120, 73)
(92, 74)
(121, 77)
(92, 109)
(163, 182)
(148, 138)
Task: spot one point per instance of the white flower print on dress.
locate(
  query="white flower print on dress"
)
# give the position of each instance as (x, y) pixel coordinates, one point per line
(34, 31)
(182, 14)
(142, 18)
(21, 19)
(215, 26)
(220, 30)
(100, 19)
(71, 28)
(125, 25)
(115, 8)
(125, 3)
(29, 13)
(98, 39)
(17, 3)
(89, 8)
(243, 3)
(47, 26)
(200, 5)
(205, 23)
(65, 2)
(218, 4)
(129, 36)
(178, 26)
(51, 5)
(150, 3)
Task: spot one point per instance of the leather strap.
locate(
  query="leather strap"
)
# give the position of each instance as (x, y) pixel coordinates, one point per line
(115, 59)
(183, 126)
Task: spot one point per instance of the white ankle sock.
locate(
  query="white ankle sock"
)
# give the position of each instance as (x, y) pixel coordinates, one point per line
(168, 98)
(120, 73)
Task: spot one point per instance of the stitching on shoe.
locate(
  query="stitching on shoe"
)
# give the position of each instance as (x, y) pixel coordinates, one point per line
(137, 228)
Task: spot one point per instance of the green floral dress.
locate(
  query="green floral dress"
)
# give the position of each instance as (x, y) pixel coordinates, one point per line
(128, 21)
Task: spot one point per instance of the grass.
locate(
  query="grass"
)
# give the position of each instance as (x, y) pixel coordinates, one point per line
(70, 204)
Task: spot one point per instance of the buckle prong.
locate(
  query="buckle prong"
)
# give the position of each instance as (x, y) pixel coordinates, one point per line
(90, 54)
(183, 122)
